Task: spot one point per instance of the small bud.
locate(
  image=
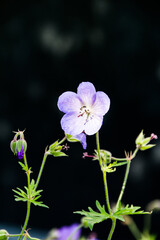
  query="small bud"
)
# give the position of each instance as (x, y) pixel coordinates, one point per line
(142, 142)
(55, 150)
(105, 156)
(3, 234)
(19, 145)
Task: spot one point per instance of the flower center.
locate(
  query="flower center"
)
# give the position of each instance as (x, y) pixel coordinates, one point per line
(85, 112)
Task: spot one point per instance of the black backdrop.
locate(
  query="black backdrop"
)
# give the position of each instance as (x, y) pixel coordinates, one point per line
(48, 47)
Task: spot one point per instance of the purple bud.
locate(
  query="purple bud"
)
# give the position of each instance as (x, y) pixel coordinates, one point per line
(21, 153)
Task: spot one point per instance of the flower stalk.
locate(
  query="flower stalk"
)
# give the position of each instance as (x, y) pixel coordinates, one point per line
(28, 202)
(105, 188)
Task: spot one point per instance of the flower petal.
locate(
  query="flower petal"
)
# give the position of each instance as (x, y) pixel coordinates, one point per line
(93, 125)
(67, 231)
(101, 104)
(86, 91)
(69, 102)
(72, 124)
(82, 138)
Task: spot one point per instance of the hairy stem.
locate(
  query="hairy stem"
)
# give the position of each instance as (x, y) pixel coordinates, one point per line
(41, 169)
(28, 202)
(112, 229)
(128, 158)
(105, 188)
(104, 174)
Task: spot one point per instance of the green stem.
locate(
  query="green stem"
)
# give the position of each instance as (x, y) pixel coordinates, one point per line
(28, 202)
(18, 235)
(41, 169)
(124, 183)
(106, 192)
(105, 188)
(104, 174)
(126, 177)
(26, 220)
(63, 139)
(112, 229)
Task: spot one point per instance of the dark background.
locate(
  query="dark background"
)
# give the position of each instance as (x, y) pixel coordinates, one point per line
(48, 47)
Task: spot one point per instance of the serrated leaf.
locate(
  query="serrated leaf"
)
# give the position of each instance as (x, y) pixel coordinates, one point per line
(132, 210)
(40, 204)
(92, 217)
(23, 166)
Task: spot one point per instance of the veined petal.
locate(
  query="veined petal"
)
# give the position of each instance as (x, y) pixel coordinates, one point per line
(69, 102)
(86, 91)
(72, 124)
(101, 104)
(93, 125)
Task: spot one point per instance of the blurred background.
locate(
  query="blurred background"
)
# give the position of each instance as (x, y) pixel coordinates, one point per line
(49, 47)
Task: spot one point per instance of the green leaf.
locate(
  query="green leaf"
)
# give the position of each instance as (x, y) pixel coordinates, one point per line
(128, 210)
(30, 195)
(92, 217)
(23, 166)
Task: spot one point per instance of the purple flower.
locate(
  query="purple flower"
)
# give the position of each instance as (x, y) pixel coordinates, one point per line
(84, 111)
(72, 231)
(20, 153)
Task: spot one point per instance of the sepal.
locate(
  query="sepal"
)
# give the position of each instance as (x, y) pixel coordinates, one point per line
(56, 150)
(71, 138)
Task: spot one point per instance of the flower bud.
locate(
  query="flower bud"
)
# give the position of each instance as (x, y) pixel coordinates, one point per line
(142, 142)
(3, 234)
(105, 156)
(19, 146)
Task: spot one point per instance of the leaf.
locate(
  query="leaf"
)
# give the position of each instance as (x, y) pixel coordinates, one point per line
(30, 195)
(132, 210)
(92, 217)
(23, 166)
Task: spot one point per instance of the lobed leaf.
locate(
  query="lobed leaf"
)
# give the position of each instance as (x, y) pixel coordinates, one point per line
(92, 217)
